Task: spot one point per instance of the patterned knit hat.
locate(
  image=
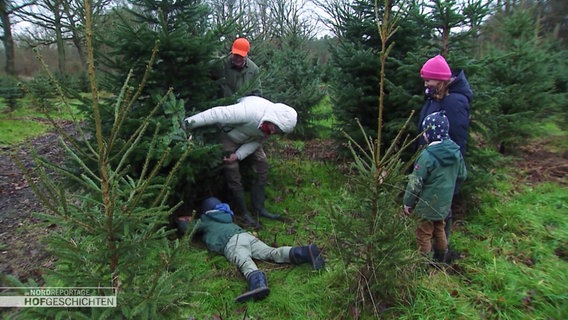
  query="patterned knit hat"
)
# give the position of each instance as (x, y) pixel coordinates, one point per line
(436, 126)
(436, 69)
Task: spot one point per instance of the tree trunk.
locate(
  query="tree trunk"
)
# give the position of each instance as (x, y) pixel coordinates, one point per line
(58, 27)
(7, 39)
(77, 41)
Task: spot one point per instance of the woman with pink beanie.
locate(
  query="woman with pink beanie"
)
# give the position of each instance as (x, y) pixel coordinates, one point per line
(449, 92)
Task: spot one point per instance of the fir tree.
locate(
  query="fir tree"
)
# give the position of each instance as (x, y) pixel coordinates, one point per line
(110, 225)
(355, 57)
(379, 267)
(520, 80)
(188, 48)
(290, 75)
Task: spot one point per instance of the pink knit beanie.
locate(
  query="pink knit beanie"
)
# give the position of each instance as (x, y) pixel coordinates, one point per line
(436, 69)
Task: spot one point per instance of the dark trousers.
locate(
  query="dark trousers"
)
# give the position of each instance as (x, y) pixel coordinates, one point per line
(257, 160)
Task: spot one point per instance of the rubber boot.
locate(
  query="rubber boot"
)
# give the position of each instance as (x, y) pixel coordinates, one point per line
(306, 254)
(257, 286)
(241, 207)
(451, 255)
(258, 196)
(440, 255)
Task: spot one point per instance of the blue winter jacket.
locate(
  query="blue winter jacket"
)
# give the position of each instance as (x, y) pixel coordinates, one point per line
(456, 105)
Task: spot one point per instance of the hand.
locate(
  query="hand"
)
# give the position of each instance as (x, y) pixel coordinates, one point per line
(406, 210)
(231, 158)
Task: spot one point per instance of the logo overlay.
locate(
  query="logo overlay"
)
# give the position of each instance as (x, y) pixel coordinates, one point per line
(58, 297)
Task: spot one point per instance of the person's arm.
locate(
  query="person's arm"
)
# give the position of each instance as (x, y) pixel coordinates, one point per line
(189, 225)
(415, 183)
(256, 88)
(232, 114)
(253, 85)
(247, 149)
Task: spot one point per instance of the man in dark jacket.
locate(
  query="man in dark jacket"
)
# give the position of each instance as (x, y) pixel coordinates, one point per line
(240, 247)
(238, 75)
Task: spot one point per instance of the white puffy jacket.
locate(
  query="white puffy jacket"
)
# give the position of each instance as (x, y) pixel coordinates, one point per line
(242, 121)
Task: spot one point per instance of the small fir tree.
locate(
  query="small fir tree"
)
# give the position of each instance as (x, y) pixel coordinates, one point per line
(519, 81)
(110, 228)
(187, 50)
(379, 267)
(290, 75)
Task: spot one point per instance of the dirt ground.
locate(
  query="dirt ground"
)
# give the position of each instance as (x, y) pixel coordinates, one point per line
(22, 247)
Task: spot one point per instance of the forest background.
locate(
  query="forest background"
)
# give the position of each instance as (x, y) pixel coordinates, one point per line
(136, 168)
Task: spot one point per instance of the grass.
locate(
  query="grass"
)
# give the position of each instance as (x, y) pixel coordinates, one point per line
(515, 265)
(511, 270)
(324, 119)
(297, 292)
(13, 131)
(27, 122)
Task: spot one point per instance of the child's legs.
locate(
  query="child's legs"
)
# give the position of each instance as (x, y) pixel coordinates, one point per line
(262, 251)
(238, 251)
(440, 240)
(424, 236)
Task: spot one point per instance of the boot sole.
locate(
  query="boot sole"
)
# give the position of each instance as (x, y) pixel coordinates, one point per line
(315, 255)
(256, 294)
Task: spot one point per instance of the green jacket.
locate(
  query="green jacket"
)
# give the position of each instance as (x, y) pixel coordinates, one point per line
(431, 185)
(238, 83)
(216, 228)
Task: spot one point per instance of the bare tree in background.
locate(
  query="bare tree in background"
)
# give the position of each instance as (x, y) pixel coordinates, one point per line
(283, 17)
(240, 15)
(263, 19)
(60, 22)
(7, 10)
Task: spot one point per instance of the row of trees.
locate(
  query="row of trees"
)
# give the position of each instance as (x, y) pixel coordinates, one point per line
(60, 23)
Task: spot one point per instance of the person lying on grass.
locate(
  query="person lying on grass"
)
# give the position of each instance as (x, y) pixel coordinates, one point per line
(240, 247)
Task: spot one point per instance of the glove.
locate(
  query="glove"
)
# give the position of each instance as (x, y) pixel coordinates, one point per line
(182, 223)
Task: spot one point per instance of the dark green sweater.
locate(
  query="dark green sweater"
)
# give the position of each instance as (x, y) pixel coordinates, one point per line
(239, 82)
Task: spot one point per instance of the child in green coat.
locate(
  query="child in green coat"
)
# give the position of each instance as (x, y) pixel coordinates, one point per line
(431, 185)
(240, 247)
